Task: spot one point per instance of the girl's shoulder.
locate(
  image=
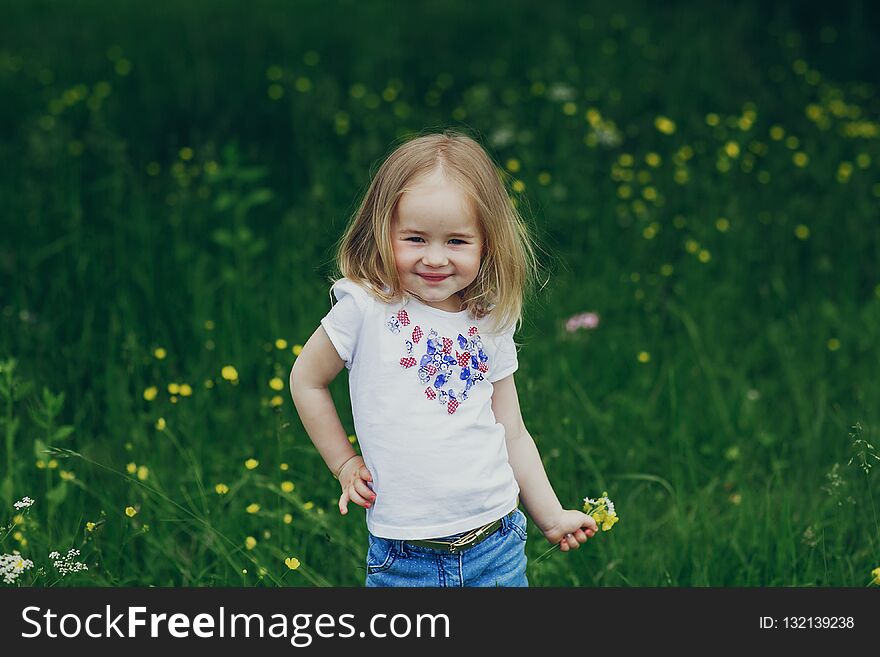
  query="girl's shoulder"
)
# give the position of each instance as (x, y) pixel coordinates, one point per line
(359, 291)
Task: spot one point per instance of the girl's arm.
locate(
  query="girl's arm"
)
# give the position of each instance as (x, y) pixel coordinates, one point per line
(568, 527)
(316, 366)
(535, 491)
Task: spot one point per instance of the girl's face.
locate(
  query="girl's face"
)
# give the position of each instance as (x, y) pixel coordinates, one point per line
(437, 242)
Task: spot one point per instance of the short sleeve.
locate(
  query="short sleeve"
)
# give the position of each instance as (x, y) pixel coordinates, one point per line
(344, 321)
(506, 361)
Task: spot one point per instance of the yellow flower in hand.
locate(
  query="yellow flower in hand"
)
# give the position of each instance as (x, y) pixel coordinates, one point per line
(610, 519)
(602, 511)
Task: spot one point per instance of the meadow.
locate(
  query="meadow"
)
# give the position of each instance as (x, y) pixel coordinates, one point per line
(705, 181)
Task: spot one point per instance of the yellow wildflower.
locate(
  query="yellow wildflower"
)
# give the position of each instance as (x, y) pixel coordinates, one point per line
(185, 390)
(130, 511)
(250, 542)
(252, 508)
(143, 472)
(131, 468)
(160, 424)
(229, 373)
(221, 489)
(251, 463)
(276, 383)
(159, 353)
(150, 393)
(610, 519)
(287, 486)
(293, 563)
(664, 125)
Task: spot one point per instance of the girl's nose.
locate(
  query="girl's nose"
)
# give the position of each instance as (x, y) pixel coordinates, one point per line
(435, 258)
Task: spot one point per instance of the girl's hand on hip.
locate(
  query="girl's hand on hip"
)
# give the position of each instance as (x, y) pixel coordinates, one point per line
(353, 479)
(571, 528)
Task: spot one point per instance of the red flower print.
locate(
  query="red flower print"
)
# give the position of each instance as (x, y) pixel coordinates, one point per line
(403, 317)
(408, 361)
(451, 406)
(472, 330)
(463, 358)
(417, 334)
(447, 345)
(430, 393)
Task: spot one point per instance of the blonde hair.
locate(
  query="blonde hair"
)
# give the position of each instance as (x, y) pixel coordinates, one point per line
(509, 267)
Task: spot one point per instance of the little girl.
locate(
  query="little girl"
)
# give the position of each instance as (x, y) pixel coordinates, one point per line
(434, 266)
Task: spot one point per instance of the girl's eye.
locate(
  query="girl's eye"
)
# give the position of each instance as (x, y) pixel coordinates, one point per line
(452, 240)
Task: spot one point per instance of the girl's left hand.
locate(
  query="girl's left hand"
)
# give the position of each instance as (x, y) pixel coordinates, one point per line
(571, 529)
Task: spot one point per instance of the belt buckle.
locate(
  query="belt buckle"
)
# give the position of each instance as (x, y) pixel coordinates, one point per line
(467, 539)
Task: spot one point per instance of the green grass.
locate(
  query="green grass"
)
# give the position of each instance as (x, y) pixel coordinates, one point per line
(175, 178)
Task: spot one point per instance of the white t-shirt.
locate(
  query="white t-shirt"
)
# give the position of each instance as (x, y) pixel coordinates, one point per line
(420, 381)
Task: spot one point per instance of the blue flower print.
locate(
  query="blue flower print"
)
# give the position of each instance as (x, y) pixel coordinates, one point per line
(456, 366)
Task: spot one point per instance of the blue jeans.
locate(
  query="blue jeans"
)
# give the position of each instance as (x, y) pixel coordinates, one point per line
(499, 560)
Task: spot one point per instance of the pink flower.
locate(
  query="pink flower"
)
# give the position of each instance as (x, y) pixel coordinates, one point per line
(582, 320)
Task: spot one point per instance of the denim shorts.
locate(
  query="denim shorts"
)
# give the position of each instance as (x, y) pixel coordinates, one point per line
(499, 560)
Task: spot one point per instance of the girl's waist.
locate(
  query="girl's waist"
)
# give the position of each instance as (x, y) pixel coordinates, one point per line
(474, 529)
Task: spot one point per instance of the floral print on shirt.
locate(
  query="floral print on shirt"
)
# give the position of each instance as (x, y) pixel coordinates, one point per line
(454, 365)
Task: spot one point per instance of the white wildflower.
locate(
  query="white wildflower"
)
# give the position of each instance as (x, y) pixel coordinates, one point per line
(67, 564)
(607, 136)
(23, 503)
(502, 137)
(590, 501)
(560, 92)
(12, 566)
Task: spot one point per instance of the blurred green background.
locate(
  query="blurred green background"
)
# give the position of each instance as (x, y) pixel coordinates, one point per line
(704, 177)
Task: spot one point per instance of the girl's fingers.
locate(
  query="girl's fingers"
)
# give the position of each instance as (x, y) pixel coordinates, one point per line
(361, 487)
(343, 503)
(357, 498)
